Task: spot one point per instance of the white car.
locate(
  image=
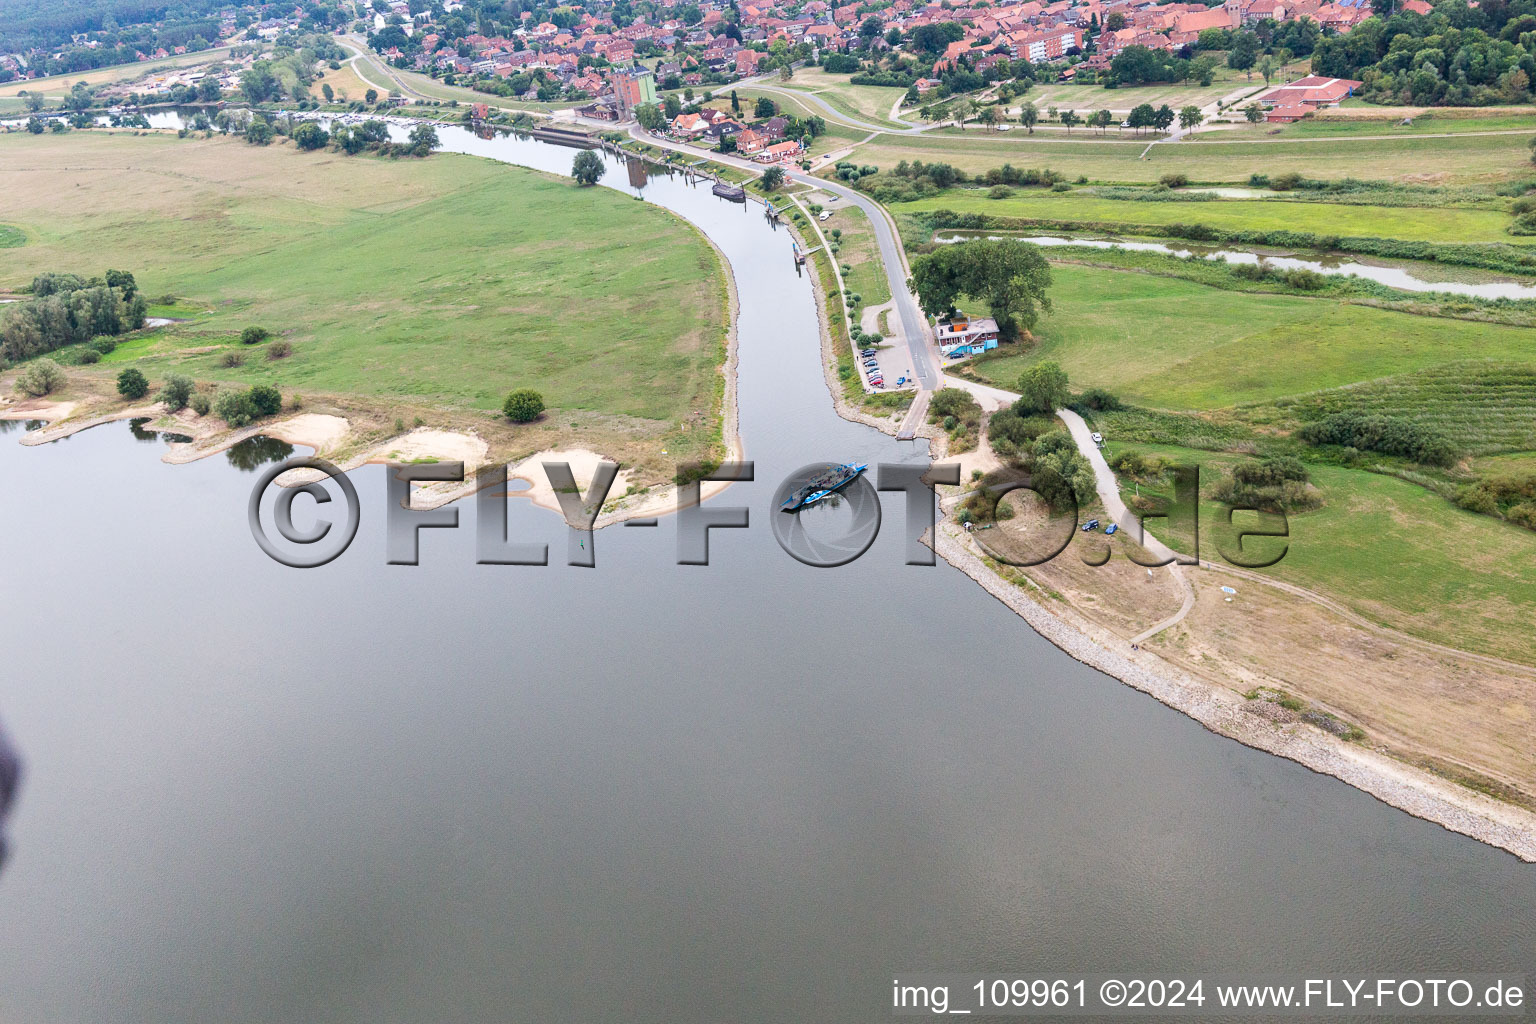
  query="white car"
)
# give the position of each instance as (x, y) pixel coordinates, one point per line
(1005, 127)
(1098, 438)
(825, 215)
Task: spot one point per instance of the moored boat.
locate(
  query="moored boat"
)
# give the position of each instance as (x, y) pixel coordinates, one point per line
(822, 487)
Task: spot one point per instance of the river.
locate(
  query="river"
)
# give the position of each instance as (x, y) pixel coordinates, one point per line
(753, 791)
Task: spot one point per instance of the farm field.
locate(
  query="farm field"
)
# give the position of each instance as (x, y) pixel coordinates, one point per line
(1165, 343)
(58, 85)
(1428, 224)
(1476, 158)
(1435, 123)
(1400, 555)
(447, 281)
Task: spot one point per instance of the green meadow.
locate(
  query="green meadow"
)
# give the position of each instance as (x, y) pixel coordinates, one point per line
(1166, 343)
(446, 281)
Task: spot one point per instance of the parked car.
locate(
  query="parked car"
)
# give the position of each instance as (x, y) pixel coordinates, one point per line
(1090, 526)
(825, 215)
(1110, 530)
(1098, 438)
(900, 381)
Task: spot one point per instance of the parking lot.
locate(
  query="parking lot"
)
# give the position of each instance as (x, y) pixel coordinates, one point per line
(893, 362)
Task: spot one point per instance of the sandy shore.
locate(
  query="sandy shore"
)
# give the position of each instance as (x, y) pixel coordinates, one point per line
(1220, 709)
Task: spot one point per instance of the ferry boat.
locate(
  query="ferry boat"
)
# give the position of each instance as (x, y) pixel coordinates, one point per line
(823, 486)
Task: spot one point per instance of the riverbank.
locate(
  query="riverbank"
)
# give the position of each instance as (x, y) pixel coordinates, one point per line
(350, 440)
(1221, 709)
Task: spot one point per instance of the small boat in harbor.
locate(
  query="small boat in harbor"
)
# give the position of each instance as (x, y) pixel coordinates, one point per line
(735, 193)
(823, 486)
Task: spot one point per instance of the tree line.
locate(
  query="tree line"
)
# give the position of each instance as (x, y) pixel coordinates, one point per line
(65, 309)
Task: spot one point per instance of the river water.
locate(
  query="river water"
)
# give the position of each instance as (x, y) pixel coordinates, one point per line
(753, 791)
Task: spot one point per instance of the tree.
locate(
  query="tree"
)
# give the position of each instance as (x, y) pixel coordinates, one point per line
(764, 108)
(258, 132)
(259, 83)
(35, 101)
(310, 136)
(254, 335)
(208, 89)
(727, 144)
(990, 115)
(587, 168)
(1190, 117)
(41, 377)
(371, 97)
(1043, 388)
(35, 125)
(1253, 113)
(176, 392)
(234, 408)
(523, 405)
(265, 399)
(1029, 115)
(650, 117)
(1163, 117)
(1267, 68)
(961, 110)
(735, 103)
(423, 139)
(131, 383)
(671, 106)
(328, 92)
(1102, 119)
(773, 178)
(1244, 52)
(1068, 119)
(123, 281)
(1142, 116)
(1010, 277)
(1114, 22)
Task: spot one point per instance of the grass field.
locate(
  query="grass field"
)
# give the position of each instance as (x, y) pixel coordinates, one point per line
(1334, 127)
(1476, 158)
(448, 280)
(347, 84)
(860, 253)
(1165, 343)
(58, 85)
(1428, 224)
(870, 103)
(1400, 555)
(1088, 98)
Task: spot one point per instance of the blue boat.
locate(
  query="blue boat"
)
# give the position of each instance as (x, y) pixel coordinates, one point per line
(824, 486)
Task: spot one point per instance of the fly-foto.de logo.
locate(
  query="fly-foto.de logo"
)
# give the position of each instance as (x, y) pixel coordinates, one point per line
(845, 486)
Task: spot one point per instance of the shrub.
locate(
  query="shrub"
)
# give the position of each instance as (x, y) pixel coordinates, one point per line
(1174, 180)
(1099, 400)
(177, 392)
(1257, 180)
(1284, 182)
(523, 405)
(1375, 432)
(265, 399)
(132, 384)
(230, 360)
(1303, 279)
(279, 350)
(201, 404)
(86, 356)
(40, 378)
(999, 192)
(1061, 186)
(254, 335)
(234, 408)
(104, 345)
